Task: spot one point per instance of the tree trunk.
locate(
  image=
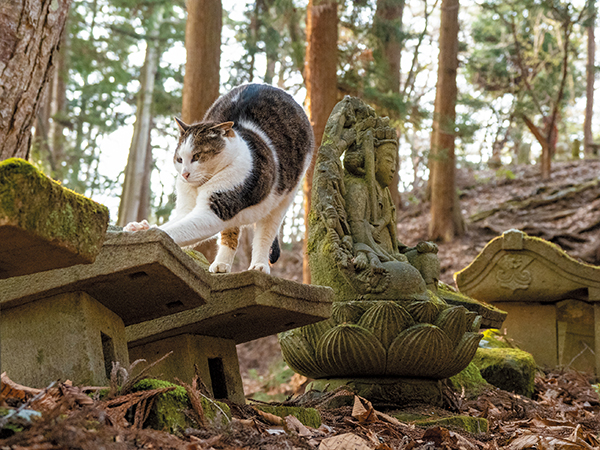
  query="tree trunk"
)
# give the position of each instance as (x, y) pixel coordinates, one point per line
(132, 204)
(321, 86)
(203, 46)
(387, 28)
(30, 36)
(202, 78)
(446, 219)
(588, 138)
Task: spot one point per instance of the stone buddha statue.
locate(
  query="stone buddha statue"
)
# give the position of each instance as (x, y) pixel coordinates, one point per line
(357, 213)
(389, 329)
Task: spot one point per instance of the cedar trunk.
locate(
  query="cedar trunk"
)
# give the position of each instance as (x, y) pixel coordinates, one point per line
(203, 47)
(29, 38)
(588, 138)
(446, 219)
(387, 27)
(321, 86)
(201, 80)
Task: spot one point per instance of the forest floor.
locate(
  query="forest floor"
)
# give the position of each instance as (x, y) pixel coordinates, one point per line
(564, 412)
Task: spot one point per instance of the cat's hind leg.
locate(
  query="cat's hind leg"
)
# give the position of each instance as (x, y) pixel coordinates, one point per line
(227, 248)
(265, 232)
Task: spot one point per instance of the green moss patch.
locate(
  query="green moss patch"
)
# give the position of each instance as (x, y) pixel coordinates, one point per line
(38, 214)
(470, 380)
(171, 410)
(309, 417)
(510, 369)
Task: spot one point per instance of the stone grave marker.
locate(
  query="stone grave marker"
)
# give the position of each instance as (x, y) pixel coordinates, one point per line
(552, 300)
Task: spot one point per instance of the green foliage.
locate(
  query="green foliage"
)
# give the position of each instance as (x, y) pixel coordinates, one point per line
(274, 29)
(102, 79)
(517, 59)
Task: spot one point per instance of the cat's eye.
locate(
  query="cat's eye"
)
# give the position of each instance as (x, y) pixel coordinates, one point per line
(179, 160)
(196, 157)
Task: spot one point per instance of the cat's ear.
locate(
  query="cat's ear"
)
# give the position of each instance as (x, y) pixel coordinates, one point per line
(225, 128)
(183, 127)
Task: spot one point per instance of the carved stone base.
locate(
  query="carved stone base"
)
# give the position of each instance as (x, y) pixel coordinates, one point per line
(396, 391)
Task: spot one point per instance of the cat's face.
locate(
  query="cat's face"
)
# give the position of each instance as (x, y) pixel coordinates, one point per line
(199, 153)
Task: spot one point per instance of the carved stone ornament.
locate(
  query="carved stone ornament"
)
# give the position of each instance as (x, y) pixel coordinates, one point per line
(512, 273)
(387, 319)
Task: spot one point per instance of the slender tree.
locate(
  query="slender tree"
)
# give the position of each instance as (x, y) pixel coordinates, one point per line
(29, 40)
(135, 199)
(588, 138)
(321, 85)
(446, 219)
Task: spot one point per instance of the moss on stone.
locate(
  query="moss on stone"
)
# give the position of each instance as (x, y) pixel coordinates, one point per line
(510, 369)
(473, 425)
(308, 416)
(33, 202)
(470, 380)
(169, 410)
(198, 257)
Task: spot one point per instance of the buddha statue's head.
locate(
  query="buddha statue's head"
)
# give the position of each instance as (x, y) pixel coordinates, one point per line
(386, 154)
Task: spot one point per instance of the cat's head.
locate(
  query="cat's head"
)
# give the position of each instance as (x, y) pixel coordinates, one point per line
(200, 150)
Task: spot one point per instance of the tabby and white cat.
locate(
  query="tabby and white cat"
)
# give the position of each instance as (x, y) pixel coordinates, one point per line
(240, 166)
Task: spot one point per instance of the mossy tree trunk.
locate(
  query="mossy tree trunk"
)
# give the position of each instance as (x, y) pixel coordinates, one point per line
(202, 80)
(446, 219)
(30, 37)
(321, 86)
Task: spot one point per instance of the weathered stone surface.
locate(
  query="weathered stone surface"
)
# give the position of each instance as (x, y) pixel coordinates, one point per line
(215, 358)
(67, 336)
(138, 276)
(469, 381)
(491, 316)
(551, 298)
(146, 281)
(43, 225)
(516, 267)
(386, 390)
(510, 369)
(473, 425)
(388, 317)
(242, 307)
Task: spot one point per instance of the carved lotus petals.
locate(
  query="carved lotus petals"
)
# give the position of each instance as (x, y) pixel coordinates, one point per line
(347, 312)
(299, 354)
(350, 350)
(386, 320)
(313, 332)
(453, 321)
(424, 311)
(419, 351)
(462, 355)
(471, 316)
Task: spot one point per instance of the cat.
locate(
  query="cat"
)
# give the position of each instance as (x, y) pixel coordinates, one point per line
(241, 165)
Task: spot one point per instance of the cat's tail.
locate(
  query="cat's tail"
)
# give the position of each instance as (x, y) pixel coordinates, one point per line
(275, 251)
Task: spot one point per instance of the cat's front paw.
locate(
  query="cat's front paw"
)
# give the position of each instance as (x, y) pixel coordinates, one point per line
(260, 267)
(137, 226)
(219, 267)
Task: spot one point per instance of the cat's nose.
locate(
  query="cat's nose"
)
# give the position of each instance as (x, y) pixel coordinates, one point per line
(185, 175)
